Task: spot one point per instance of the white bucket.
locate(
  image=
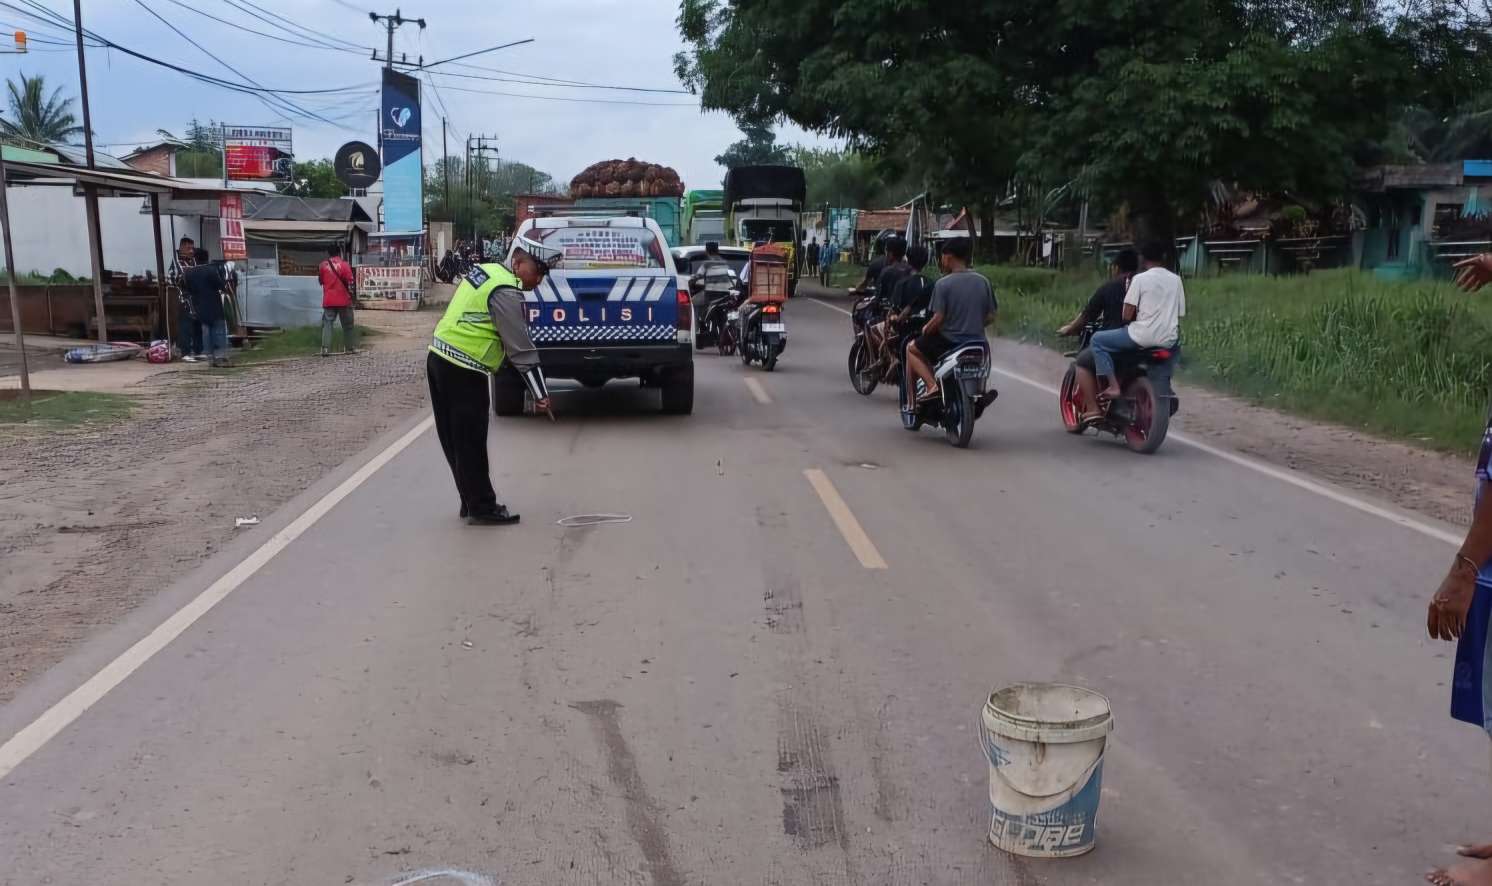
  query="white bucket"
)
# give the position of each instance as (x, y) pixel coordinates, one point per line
(1045, 743)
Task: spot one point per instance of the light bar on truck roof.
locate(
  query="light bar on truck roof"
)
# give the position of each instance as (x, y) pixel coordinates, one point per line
(552, 223)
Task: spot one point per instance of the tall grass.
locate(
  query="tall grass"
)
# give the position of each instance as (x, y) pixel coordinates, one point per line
(1411, 360)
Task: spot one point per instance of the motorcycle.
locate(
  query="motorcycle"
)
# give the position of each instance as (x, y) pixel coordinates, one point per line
(716, 323)
(963, 376)
(1142, 412)
(873, 362)
(763, 334)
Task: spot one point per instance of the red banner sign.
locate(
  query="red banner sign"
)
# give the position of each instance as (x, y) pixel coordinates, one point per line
(230, 227)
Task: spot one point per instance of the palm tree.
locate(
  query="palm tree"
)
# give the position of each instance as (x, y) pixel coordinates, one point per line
(34, 117)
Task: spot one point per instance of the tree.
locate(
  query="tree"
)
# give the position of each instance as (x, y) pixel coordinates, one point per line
(202, 153)
(758, 148)
(1146, 103)
(849, 179)
(36, 118)
(484, 198)
(316, 178)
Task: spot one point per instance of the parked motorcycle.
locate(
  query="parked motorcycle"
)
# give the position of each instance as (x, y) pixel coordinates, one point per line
(963, 393)
(1142, 413)
(763, 334)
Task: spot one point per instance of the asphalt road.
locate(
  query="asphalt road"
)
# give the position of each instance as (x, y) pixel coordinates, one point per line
(720, 691)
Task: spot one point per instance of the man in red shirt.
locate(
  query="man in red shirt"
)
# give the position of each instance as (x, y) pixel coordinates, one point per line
(336, 300)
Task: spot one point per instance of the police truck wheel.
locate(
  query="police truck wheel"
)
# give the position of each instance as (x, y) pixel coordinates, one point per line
(677, 392)
(507, 392)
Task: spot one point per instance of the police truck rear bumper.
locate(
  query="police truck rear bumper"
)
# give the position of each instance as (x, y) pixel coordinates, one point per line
(642, 361)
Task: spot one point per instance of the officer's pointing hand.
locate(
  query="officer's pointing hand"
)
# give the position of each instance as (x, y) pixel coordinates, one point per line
(545, 407)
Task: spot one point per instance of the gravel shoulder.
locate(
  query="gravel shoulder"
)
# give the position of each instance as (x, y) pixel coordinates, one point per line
(96, 519)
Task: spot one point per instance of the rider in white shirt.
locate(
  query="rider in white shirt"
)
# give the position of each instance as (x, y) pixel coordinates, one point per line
(1153, 308)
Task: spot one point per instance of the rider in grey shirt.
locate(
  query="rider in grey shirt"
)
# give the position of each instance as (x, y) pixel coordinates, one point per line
(962, 304)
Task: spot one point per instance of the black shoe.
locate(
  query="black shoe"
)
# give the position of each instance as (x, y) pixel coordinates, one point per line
(463, 510)
(499, 517)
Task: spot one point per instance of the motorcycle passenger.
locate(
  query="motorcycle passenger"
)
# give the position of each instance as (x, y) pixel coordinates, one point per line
(1153, 308)
(892, 273)
(963, 303)
(1107, 308)
(909, 301)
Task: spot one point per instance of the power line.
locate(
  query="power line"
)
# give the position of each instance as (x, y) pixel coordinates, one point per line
(242, 27)
(558, 84)
(246, 88)
(557, 98)
(295, 24)
(273, 102)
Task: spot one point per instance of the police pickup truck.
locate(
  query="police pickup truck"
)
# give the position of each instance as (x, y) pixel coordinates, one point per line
(613, 309)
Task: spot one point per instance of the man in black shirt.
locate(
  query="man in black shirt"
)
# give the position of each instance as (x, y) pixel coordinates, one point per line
(204, 285)
(913, 294)
(1107, 306)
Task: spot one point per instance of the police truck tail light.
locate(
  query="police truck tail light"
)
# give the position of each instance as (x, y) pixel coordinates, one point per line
(686, 309)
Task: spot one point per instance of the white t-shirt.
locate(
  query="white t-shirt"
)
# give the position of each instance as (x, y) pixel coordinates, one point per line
(1160, 303)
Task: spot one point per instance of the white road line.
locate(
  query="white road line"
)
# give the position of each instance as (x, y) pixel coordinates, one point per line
(757, 391)
(829, 306)
(1340, 497)
(854, 535)
(46, 727)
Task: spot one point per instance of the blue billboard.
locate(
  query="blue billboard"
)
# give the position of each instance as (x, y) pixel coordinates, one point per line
(403, 167)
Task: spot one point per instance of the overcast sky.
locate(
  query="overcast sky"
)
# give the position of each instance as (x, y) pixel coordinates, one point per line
(612, 42)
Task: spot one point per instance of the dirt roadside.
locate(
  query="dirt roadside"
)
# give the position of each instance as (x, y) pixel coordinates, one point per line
(94, 520)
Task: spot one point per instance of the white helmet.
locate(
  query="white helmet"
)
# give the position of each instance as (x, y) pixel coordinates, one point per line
(547, 257)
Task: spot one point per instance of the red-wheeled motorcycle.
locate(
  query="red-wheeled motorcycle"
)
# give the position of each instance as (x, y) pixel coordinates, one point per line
(1142, 412)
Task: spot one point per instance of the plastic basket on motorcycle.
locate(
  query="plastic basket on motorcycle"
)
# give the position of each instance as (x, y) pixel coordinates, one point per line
(769, 274)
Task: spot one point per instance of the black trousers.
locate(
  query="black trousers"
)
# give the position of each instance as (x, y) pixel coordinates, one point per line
(461, 401)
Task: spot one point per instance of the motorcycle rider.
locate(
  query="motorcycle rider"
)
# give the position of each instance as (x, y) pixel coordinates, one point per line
(1153, 308)
(908, 302)
(1107, 307)
(893, 272)
(713, 281)
(963, 303)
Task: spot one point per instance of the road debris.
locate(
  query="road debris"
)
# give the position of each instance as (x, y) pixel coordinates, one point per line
(241, 522)
(593, 519)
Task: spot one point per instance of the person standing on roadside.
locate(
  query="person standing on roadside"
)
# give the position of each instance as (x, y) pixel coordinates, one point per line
(1461, 610)
(336, 300)
(204, 284)
(811, 256)
(188, 334)
(485, 326)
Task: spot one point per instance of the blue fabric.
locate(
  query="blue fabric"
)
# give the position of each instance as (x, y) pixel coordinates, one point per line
(1471, 685)
(1105, 345)
(1471, 680)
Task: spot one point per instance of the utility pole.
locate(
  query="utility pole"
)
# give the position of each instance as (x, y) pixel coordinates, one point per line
(90, 191)
(391, 22)
(446, 163)
(15, 301)
(478, 152)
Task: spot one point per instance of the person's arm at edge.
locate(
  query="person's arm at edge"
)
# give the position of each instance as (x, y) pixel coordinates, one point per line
(505, 305)
(1448, 608)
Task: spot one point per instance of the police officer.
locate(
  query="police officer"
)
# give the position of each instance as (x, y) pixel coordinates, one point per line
(484, 325)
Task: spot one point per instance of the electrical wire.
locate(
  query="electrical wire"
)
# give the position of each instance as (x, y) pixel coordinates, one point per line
(206, 78)
(535, 82)
(246, 28)
(294, 24)
(558, 98)
(271, 101)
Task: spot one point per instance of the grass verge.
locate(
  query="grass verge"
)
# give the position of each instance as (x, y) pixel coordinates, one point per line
(64, 408)
(297, 341)
(1403, 359)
